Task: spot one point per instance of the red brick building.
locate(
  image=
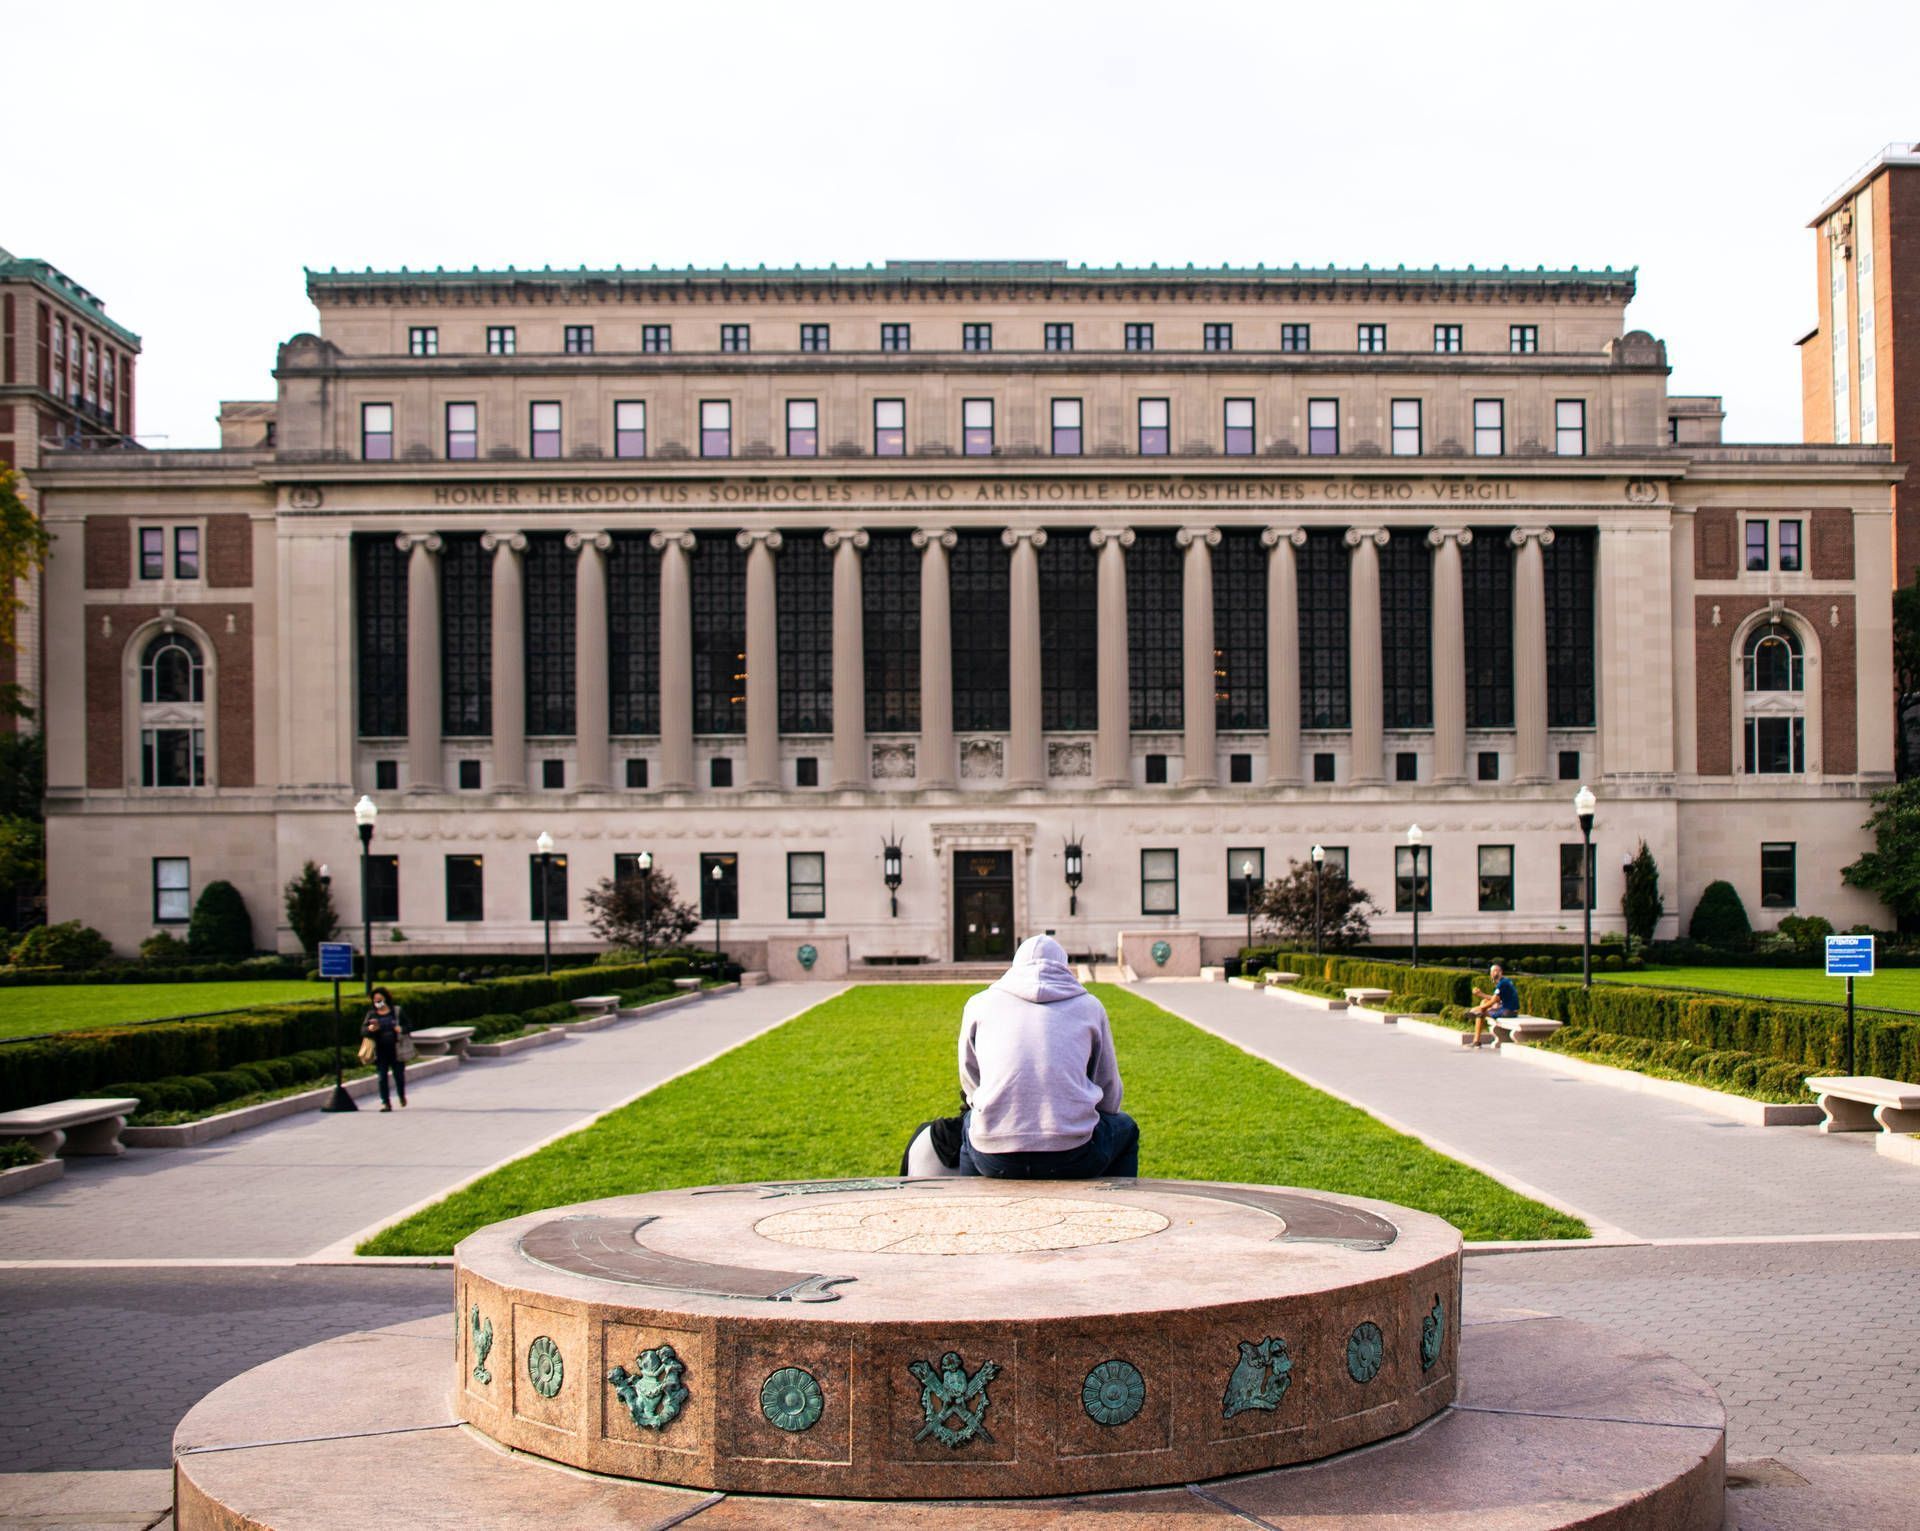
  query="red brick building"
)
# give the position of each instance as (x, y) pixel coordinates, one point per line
(66, 380)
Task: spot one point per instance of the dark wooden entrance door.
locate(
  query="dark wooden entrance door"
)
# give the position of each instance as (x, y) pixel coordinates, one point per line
(983, 906)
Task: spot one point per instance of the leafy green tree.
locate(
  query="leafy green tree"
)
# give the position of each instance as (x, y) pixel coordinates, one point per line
(23, 549)
(1720, 919)
(1283, 909)
(1641, 903)
(310, 911)
(1892, 868)
(221, 930)
(1906, 679)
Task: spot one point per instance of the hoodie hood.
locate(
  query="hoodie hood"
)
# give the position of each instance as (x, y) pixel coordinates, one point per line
(1040, 973)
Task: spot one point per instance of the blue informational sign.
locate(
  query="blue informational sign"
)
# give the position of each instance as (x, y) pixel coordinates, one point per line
(336, 959)
(1849, 956)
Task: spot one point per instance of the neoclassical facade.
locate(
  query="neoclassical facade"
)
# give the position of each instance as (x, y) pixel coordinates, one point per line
(976, 572)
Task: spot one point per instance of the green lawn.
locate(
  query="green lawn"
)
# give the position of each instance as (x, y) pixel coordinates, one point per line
(82, 1006)
(1893, 988)
(834, 1094)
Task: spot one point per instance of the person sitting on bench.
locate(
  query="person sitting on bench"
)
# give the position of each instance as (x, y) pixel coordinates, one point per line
(1503, 1003)
(1038, 1071)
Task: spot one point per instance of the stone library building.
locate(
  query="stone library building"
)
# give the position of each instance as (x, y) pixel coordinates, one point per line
(903, 611)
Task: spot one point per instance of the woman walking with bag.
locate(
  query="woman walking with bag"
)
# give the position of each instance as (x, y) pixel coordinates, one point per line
(390, 1045)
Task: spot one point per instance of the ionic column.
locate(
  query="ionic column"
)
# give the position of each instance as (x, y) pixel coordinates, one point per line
(424, 765)
(1449, 654)
(1530, 652)
(1113, 743)
(1197, 667)
(934, 768)
(676, 660)
(1366, 696)
(1027, 757)
(850, 766)
(591, 695)
(509, 661)
(1283, 654)
(763, 688)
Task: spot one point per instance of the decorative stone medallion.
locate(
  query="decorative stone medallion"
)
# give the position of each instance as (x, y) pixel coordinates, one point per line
(1365, 1347)
(982, 759)
(1160, 951)
(482, 1331)
(893, 762)
(1113, 1392)
(1260, 1377)
(955, 1403)
(791, 1399)
(808, 954)
(1069, 757)
(1433, 1331)
(544, 1367)
(653, 1392)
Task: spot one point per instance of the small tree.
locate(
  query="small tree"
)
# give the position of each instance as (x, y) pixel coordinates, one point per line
(1283, 909)
(221, 930)
(1906, 679)
(1641, 903)
(23, 548)
(640, 910)
(1720, 919)
(310, 911)
(1892, 868)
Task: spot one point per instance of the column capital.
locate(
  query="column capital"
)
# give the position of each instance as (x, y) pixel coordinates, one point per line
(1188, 535)
(406, 542)
(659, 541)
(1520, 535)
(839, 534)
(771, 538)
(1442, 534)
(946, 536)
(1100, 536)
(1377, 535)
(513, 542)
(598, 541)
(1013, 536)
(1273, 536)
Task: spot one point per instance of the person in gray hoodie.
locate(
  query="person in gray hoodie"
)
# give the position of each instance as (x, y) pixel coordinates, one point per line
(1040, 1078)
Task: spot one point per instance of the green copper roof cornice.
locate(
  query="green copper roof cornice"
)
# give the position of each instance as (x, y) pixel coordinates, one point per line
(45, 275)
(990, 273)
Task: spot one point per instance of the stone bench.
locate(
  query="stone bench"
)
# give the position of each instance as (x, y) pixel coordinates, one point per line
(688, 984)
(434, 1040)
(592, 1006)
(1861, 1103)
(1373, 999)
(71, 1127)
(1279, 979)
(1517, 1028)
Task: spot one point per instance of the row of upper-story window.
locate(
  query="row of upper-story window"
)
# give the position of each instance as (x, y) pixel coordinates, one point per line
(1066, 437)
(78, 367)
(577, 339)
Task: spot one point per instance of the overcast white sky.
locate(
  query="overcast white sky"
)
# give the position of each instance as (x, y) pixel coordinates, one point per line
(185, 160)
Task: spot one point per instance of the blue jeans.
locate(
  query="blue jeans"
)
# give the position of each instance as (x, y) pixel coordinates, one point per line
(1114, 1149)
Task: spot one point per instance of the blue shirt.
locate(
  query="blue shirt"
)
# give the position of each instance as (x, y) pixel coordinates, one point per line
(1506, 998)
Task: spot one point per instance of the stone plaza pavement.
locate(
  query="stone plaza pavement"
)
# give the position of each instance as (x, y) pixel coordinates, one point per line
(311, 1182)
(1639, 1164)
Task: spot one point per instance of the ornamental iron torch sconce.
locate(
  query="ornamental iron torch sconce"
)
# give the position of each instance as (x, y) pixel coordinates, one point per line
(1074, 875)
(891, 869)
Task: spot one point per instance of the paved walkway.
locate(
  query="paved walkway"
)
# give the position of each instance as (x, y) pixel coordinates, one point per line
(311, 1182)
(1649, 1167)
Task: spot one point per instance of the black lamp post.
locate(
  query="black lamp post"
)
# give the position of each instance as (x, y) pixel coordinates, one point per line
(1414, 837)
(718, 877)
(544, 845)
(644, 861)
(1319, 861)
(1075, 873)
(1583, 802)
(1246, 876)
(891, 869)
(364, 815)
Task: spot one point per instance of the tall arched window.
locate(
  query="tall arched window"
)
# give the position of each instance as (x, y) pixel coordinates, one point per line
(1773, 662)
(173, 713)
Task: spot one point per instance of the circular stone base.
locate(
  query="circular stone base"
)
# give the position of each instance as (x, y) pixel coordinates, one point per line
(1556, 1425)
(932, 1339)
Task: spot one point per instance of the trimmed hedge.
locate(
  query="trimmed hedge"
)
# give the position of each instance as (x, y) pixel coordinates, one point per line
(171, 972)
(1448, 986)
(82, 1062)
(1725, 1068)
